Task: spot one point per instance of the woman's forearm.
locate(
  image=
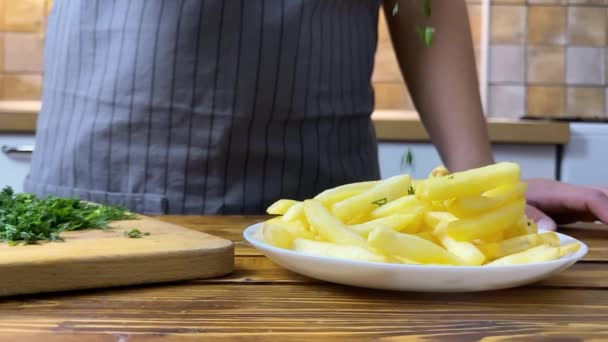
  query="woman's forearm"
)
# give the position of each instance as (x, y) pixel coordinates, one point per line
(442, 79)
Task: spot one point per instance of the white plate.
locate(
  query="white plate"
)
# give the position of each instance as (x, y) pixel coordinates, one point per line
(421, 278)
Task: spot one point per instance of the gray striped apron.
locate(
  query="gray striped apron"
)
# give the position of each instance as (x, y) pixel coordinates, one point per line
(205, 106)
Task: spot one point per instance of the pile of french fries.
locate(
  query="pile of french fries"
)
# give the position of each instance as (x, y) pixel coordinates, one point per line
(469, 218)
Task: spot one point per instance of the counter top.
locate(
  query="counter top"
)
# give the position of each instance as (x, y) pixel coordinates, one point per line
(263, 301)
(20, 117)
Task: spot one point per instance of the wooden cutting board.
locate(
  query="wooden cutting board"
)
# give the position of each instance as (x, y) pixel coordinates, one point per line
(96, 258)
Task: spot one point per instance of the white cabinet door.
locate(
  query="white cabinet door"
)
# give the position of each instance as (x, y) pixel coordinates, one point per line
(15, 159)
(535, 160)
(585, 161)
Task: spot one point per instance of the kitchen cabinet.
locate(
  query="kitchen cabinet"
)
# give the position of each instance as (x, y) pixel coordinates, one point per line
(535, 160)
(585, 161)
(15, 159)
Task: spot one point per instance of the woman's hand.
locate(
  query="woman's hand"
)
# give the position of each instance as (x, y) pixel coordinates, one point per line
(551, 202)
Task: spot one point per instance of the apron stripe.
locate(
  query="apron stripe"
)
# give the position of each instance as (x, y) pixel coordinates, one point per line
(209, 146)
(273, 108)
(169, 141)
(290, 107)
(253, 112)
(110, 151)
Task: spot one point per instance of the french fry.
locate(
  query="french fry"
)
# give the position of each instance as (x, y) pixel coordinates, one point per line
(536, 254)
(550, 238)
(468, 183)
(277, 236)
(433, 218)
(472, 206)
(295, 213)
(514, 245)
(329, 227)
(407, 223)
(297, 228)
(334, 250)
(466, 251)
(429, 237)
(411, 247)
(403, 260)
(380, 194)
(280, 207)
(402, 205)
(331, 196)
(569, 248)
(486, 224)
(439, 171)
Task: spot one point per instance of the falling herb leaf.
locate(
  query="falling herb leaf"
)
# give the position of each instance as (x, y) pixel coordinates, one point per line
(25, 218)
(426, 34)
(407, 160)
(395, 8)
(135, 233)
(380, 202)
(427, 8)
(411, 191)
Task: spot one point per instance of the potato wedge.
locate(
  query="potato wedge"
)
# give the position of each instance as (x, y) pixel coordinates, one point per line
(469, 183)
(411, 247)
(329, 227)
(382, 193)
(335, 250)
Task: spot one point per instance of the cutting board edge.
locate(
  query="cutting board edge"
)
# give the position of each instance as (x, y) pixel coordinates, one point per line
(82, 280)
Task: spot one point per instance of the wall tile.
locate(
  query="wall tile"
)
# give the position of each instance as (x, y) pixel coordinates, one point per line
(506, 101)
(585, 66)
(547, 25)
(23, 52)
(20, 87)
(546, 64)
(546, 101)
(585, 102)
(587, 26)
(22, 15)
(508, 24)
(506, 63)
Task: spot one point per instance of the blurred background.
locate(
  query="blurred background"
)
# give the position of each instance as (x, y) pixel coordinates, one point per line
(537, 59)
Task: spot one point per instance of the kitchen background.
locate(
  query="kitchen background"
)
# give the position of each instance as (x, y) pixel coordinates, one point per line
(535, 58)
(545, 58)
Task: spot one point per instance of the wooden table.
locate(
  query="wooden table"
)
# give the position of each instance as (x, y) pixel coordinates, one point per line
(262, 301)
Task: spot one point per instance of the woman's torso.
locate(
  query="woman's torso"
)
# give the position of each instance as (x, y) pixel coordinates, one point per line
(193, 106)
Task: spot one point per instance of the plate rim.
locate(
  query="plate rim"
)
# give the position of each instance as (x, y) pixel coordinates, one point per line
(249, 235)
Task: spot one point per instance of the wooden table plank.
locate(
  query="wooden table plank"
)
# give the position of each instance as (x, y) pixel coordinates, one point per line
(323, 309)
(262, 301)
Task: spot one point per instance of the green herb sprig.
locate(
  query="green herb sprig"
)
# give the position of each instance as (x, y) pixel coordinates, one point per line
(134, 233)
(426, 33)
(25, 218)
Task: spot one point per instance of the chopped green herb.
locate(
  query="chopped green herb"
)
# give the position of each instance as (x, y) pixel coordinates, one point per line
(407, 160)
(135, 233)
(25, 218)
(395, 8)
(451, 177)
(426, 34)
(380, 202)
(427, 8)
(411, 191)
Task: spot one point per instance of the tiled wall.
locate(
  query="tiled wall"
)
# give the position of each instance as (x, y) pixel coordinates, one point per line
(391, 92)
(548, 58)
(22, 25)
